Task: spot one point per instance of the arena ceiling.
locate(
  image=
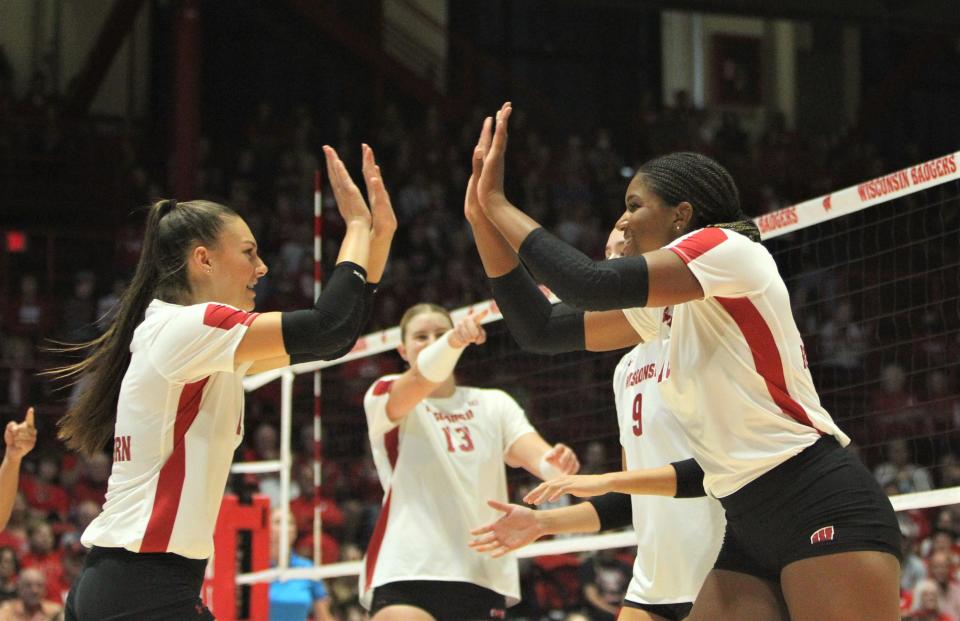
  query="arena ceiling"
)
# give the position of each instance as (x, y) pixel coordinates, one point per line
(939, 15)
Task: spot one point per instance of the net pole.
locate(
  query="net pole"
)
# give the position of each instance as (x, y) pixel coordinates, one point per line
(317, 408)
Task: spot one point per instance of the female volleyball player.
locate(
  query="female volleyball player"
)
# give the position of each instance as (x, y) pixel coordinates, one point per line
(438, 447)
(165, 382)
(677, 540)
(803, 516)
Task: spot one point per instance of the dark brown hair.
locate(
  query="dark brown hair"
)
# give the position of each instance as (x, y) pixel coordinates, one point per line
(172, 229)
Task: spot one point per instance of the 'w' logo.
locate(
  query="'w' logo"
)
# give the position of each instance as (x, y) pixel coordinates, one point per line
(824, 534)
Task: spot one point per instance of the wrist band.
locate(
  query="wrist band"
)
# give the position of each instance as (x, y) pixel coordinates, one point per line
(547, 470)
(437, 360)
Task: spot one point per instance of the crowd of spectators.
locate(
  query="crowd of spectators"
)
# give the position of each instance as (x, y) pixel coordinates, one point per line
(573, 182)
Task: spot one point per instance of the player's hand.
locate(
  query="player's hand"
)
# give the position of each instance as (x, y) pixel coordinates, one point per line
(471, 203)
(353, 209)
(381, 208)
(582, 485)
(563, 459)
(469, 331)
(20, 438)
(517, 527)
(490, 190)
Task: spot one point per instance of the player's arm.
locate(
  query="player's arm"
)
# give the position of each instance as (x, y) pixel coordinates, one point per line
(519, 526)
(682, 479)
(433, 365)
(334, 322)
(658, 278)
(20, 438)
(532, 453)
(535, 324)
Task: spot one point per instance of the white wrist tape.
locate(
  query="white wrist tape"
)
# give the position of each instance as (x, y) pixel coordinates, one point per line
(547, 470)
(438, 359)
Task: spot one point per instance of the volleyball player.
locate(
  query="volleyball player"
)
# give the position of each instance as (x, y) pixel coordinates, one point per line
(165, 382)
(805, 520)
(677, 540)
(438, 447)
(20, 438)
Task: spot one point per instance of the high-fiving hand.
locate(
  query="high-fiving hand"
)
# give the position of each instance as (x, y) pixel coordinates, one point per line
(490, 190)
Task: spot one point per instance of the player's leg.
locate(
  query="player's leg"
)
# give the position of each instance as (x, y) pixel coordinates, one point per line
(734, 596)
(848, 586)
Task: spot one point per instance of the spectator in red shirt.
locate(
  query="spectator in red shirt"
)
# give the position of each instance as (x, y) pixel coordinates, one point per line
(9, 568)
(302, 505)
(44, 492)
(92, 484)
(44, 556)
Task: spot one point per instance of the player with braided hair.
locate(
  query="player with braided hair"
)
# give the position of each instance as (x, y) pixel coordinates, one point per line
(803, 515)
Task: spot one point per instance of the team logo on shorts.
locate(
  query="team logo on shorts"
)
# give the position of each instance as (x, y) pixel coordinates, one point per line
(826, 533)
(498, 613)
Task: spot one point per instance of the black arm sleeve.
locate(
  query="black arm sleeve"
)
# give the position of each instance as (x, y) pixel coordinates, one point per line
(613, 509)
(582, 282)
(362, 317)
(331, 325)
(689, 479)
(537, 325)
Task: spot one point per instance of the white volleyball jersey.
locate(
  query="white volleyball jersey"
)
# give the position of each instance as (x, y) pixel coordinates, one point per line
(678, 539)
(438, 468)
(179, 420)
(736, 374)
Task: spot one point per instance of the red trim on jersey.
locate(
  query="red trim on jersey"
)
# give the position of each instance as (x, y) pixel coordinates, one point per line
(699, 243)
(766, 356)
(392, 441)
(382, 387)
(166, 499)
(226, 317)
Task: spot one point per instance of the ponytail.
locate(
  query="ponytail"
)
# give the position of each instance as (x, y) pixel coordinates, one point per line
(89, 423)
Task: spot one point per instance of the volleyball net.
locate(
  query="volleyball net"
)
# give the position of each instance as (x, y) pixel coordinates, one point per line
(874, 275)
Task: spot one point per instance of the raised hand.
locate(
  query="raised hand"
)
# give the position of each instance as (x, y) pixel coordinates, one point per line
(20, 438)
(490, 190)
(517, 527)
(384, 219)
(563, 459)
(469, 331)
(471, 203)
(582, 485)
(353, 209)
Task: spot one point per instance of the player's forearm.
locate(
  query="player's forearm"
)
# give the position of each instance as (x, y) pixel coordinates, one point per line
(578, 518)
(355, 246)
(9, 478)
(513, 224)
(379, 253)
(659, 481)
(496, 255)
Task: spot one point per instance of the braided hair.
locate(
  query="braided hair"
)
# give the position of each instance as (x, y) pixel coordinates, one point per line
(703, 183)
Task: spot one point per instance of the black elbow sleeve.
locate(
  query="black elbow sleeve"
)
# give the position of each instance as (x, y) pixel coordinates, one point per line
(363, 318)
(581, 281)
(537, 325)
(614, 510)
(689, 479)
(331, 325)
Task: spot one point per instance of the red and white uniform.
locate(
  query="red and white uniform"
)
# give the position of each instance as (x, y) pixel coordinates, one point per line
(678, 539)
(736, 374)
(179, 420)
(438, 467)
